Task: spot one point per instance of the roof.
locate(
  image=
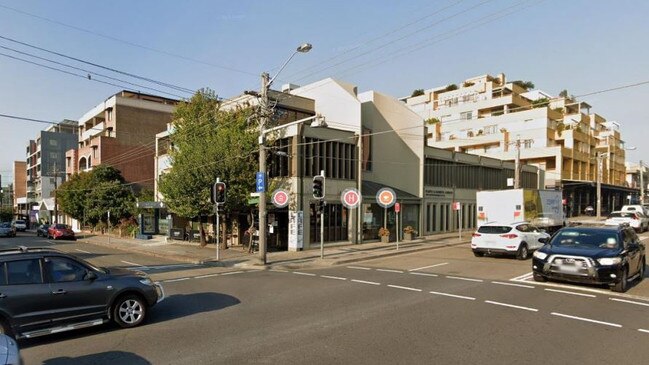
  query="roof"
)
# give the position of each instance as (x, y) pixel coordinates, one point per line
(370, 188)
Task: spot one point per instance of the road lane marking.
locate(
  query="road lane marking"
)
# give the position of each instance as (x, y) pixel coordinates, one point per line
(629, 301)
(131, 263)
(571, 293)
(173, 280)
(452, 295)
(404, 288)
(332, 277)
(365, 282)
(512, 306)
(81, 250)
(232, 272)
(428, 267)
(523, 277)
(424, 274)
(206, 276)
(587, 320)
(303, 273)
(512, 284)
(358, 268)
(278, 270)
(641, 330)
(466, 279)
(389, 270)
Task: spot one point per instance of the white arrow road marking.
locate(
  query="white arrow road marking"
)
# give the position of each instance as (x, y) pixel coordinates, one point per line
(587, 320)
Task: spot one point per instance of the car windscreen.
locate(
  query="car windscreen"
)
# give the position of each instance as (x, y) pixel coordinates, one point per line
(20, 222)
(586, 239)
(5, 225)
(494, 229)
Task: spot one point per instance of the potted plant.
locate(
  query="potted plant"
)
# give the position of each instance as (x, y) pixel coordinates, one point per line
(384, 234)
(408, 233)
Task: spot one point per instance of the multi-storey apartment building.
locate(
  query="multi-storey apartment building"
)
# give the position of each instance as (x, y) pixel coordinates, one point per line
(491, 116)
(21, 207)
(371, 141)
(121, 132)
(45, 167)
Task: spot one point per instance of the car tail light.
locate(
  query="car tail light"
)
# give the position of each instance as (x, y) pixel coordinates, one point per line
(509, 235)
(634, 217)
(476, 235)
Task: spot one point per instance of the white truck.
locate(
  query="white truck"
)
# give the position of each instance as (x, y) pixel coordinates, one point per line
(542, 208)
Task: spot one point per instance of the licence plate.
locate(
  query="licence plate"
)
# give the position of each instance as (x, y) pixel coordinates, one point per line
(569, 268)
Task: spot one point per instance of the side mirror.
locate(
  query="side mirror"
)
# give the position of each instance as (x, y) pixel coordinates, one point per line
(90, 275)
(544, 240)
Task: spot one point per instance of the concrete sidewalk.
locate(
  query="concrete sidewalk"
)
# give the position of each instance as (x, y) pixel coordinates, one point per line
(334, 254)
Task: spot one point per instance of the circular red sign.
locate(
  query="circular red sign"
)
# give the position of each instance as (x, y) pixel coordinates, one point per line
(386, 197)
(280, 198)
(350, 198)
(397, 207)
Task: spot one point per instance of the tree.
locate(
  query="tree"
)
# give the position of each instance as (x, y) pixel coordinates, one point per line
(541, 102)
(209, 143)
(87, 196)
(6, 214)
(417, 92)
(524, 84)
(563, 93)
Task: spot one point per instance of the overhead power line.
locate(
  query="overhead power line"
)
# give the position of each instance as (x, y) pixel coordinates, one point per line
(126, 42)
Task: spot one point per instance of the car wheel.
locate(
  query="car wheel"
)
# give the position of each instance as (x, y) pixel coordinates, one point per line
(540, 278)
(5, 329)
(523, 252)
(641, 270)
(621, 286)
(129, 311)
(478, 254)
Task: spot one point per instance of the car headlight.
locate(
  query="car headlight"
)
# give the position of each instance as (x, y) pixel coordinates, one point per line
(608, 261)
(146, 281)
(540, 255)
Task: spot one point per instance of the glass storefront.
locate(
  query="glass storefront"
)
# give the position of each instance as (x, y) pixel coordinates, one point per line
(336, 221)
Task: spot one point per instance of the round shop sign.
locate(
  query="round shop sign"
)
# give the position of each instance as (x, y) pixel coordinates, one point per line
(386, 197)
(350, 198)
(280, 198)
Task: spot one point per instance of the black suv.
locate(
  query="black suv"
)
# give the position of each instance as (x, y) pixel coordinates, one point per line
(594, 255)
(44, 291)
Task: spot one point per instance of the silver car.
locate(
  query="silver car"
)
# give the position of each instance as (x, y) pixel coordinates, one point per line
(7, 230)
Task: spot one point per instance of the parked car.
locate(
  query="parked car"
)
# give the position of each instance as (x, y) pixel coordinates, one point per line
(519, 239)
(21, 225)
(611, 255)
(637, 220)
(42, 230)
(46, 291)
(635, 208)
(9, 352)
(7, 230)
(60, 231)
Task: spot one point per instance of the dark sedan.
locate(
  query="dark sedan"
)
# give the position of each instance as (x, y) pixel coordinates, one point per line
(45, 291)
(42, 230)
(594, 255)
(60, 231)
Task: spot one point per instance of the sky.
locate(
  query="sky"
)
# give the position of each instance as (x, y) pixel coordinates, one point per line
(392, 47)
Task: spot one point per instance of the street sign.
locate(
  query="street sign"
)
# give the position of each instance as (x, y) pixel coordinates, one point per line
(260, 182)
(351, 198)
(280, 198)
(397, 207)
(457, 206)
(386, 197)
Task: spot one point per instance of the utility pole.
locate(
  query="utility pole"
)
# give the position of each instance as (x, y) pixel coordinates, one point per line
(600, 160)
(56, 186)
(641, 182)
(517, 163)
(265, 84)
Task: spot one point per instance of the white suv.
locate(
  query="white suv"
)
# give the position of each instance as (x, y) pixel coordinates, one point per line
(20, 225)
(518, 238)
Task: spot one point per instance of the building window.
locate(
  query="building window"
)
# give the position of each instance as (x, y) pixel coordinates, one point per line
(336, 158)
(54, 142)
(490, 129)
(466, 115)
(54, 155)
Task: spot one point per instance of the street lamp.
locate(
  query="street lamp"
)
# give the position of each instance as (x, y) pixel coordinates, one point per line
(265, 112)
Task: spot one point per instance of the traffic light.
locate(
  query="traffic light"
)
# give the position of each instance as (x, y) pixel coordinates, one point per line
(219, 193)
(319, 187)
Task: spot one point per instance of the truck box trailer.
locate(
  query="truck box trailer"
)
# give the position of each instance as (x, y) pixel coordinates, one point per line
(542, 208)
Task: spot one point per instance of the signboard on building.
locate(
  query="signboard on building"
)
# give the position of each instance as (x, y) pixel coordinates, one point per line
(295, 230)
(280, 198)
(386, 197)
(350, 198)
(430, 192)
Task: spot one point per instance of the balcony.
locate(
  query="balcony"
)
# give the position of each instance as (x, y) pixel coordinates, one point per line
(93, 131)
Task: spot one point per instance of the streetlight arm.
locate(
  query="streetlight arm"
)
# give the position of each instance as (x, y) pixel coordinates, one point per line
(281, 68)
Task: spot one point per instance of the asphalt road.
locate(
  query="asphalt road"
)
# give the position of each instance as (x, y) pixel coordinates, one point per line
(438, 306)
